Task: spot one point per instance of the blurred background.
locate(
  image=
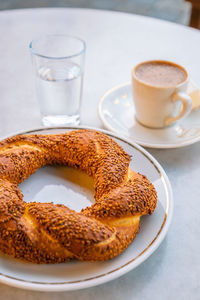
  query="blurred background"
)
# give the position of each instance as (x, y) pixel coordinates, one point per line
(186, 12)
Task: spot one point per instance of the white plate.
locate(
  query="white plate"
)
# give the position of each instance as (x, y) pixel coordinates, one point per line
(65, 185)
(117, 113)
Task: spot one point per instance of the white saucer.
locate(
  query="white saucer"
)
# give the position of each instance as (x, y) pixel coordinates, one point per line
(75, 189)
(117, 113)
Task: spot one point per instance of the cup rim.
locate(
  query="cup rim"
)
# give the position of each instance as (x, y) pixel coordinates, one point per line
(160, 86)
(34, 52)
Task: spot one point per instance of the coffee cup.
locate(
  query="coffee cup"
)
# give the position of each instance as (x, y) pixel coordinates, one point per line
(159, 93)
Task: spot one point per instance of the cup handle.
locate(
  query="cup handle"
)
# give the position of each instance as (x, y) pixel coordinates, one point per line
(185, 108)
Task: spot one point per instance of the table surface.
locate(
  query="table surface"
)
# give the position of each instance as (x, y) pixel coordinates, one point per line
(115, 43)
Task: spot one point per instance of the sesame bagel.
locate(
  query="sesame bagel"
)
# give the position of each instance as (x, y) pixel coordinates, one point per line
(48, 233)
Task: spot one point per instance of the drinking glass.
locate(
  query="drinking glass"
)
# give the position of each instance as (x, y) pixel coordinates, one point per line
(58, 62)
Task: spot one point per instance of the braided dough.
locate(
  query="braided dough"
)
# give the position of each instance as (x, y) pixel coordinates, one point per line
(48, 233)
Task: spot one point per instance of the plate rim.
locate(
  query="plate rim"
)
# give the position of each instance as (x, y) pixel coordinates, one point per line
(113, 274)
(107, 125)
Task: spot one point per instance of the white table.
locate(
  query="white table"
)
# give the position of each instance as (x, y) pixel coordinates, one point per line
(115, 43)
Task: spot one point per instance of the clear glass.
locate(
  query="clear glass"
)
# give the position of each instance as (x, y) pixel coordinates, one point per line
(58, 62)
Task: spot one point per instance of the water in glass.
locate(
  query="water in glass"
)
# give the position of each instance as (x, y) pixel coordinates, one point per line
(59, 88)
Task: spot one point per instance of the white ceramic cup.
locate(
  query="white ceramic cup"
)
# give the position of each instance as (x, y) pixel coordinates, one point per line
(160, 106)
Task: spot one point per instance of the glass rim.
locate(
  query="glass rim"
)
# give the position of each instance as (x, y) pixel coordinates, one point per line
(58, 57)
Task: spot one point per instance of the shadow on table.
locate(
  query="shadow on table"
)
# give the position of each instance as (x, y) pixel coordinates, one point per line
(179, 159)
